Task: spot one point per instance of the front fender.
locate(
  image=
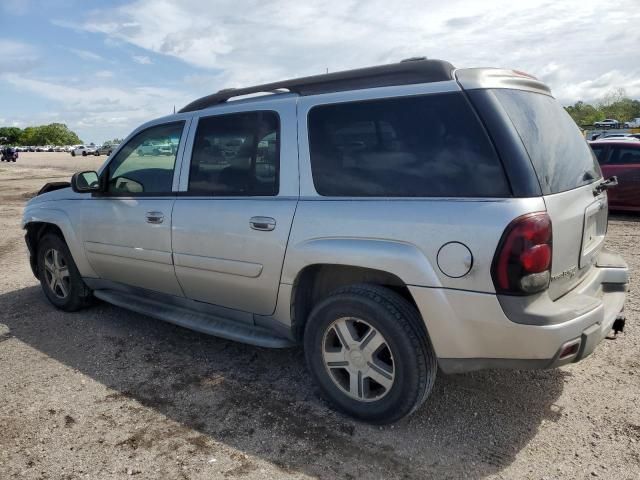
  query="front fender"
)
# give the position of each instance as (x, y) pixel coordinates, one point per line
(55, 216)
(403, 260)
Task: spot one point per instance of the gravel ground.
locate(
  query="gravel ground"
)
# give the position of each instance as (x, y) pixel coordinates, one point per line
(106, 394)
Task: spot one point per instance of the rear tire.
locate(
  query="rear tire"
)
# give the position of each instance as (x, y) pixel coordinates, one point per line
(59, 276)
(370, 354)
(84, 154)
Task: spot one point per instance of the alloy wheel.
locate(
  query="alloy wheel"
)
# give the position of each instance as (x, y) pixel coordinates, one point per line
(358, 359)
(57, 273)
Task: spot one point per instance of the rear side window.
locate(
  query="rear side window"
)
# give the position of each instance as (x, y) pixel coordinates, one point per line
(600, 152)
(624, 156)
(236, 155)
(560, 154)
(422, 146)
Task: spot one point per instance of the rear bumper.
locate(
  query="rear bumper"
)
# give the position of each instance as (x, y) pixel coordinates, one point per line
(472, 331)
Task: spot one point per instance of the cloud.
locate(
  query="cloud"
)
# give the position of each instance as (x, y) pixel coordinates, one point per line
(102, 111)
(17, 56)
(142, 59)
(265, 41)
(86, 54)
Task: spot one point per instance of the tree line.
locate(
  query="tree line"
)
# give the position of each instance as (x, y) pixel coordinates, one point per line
(614, 105)
(52, 134)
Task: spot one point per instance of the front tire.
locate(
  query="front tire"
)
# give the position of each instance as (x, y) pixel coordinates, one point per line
(59, 276)
(84, 154)
(369, 352)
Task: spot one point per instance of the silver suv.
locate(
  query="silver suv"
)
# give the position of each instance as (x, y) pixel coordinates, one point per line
(392, 220)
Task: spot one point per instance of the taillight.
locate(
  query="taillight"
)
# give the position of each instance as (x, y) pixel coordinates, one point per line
(522, 263)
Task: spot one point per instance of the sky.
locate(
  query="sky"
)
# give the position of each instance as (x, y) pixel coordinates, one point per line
(104, 67)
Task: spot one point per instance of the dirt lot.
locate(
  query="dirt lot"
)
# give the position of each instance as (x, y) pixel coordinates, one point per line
(106, 394)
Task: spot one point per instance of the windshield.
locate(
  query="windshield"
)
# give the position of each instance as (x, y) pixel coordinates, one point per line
(560, 154)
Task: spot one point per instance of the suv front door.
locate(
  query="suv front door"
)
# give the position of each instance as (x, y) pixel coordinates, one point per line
(126, 229)
(232, 218)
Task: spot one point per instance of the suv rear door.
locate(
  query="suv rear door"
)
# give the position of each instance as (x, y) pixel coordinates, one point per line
(239, 190)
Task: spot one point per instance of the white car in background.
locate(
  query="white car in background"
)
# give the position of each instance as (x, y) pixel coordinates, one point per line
(83, 150)
(633, 123)
(607, 123)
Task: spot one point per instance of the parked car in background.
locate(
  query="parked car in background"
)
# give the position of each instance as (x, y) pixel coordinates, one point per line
(83, 150)
(615, 135)
(622, 160)
(395, 220)
(159, 147)
(607, 123)
(633, 123)
(622, 138)
(9, 154)
(105, 149)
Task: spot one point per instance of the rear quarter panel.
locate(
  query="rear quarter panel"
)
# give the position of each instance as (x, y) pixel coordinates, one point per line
(402, 236)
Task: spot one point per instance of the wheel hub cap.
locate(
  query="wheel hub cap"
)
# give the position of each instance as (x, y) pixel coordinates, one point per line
(358, 359)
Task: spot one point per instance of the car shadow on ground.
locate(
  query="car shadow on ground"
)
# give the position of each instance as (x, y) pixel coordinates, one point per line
(624, 216)
(263, 403)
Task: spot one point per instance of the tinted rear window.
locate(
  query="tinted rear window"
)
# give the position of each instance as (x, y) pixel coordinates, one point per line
(423, 146)
(560, 154)
(236, 155)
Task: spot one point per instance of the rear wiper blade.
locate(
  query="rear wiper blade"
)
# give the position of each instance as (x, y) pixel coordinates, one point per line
(605, 185)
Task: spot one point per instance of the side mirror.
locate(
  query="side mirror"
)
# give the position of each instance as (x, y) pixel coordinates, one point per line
(83, 182)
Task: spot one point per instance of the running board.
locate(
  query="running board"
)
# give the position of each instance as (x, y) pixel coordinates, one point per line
(193, 320)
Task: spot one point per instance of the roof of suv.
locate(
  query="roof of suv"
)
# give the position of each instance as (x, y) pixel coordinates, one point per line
(406, 72)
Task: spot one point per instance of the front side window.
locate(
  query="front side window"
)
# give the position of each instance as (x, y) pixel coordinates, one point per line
(422, 146)
(236, 155)
(145, 164)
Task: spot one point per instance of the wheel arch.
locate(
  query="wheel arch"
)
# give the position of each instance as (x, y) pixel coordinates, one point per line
(316, 281)
(336, 262)
(37, 222)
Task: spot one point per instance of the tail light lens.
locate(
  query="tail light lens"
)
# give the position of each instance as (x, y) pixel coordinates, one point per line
(522, 262)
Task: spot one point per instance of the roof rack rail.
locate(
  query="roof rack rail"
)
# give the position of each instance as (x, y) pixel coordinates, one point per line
(410, 71)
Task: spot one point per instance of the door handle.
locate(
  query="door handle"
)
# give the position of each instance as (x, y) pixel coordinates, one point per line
(265, 224)
(155, 217)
